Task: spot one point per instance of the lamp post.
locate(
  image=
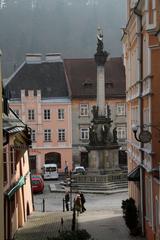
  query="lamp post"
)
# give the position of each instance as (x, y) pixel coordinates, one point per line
(144, 136)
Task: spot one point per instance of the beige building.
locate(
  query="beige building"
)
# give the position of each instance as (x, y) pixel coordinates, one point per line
(82, 75)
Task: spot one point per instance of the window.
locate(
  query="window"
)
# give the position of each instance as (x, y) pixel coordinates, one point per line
(61, 113)
(121, 109)
(12, 163)
(33, 136)
(84, 133)
(148, 196)
(47, 135)
(157, 213)
(4, 165)
(83, 109)
(31, 114)
(121, 132)
(107, 111)
(61, 135)
(47, 114)
(16, 111)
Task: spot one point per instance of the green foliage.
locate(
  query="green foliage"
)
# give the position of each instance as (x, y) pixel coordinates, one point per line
(130, 215)
(73, 235)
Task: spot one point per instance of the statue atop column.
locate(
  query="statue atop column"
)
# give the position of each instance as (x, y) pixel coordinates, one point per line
(100, 56)
(99, 40)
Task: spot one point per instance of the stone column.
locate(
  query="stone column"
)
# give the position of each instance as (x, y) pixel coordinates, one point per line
(100, 59)
(101, 90)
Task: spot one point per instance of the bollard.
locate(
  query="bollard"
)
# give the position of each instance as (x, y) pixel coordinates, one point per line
(63, 205)
(74, 219)
(43, 205)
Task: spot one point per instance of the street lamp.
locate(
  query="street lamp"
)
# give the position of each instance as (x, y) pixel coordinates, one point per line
(144, 136)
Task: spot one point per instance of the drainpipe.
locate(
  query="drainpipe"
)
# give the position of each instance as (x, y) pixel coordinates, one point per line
(140, 106)
(1, 162)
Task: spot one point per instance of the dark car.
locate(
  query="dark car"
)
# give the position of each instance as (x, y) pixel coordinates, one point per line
(37, 184)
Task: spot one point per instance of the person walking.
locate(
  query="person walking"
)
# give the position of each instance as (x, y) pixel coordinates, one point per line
(78, 204)
(83, 200)
(67, 200)
(66, 168)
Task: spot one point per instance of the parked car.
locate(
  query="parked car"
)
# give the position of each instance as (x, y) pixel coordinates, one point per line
(37, 184)
(79, 170)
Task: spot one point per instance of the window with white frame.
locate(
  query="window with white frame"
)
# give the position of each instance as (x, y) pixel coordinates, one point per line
(121, 109)
(47, 114)
(61, 135)
(148, 199)
(47, 135)
(84, 133)
(146, 115)
(16, 111)
(31, 114)
(121, 132)
(157, 212)
(84, 110)
(33, 135)
(61, 114)
(134, 115)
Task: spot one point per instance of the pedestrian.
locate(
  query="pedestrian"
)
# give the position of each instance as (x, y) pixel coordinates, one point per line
(83, 200)
(67, 200)
(66, 168)
(78, 204)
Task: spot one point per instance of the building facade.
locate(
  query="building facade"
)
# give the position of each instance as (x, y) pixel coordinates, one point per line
(1, 160)
(82, 78)
(17, 203)
(141, 57)
(40, 97)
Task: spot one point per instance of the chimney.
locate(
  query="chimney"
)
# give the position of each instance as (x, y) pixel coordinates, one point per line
(33, 58)
(53, 57)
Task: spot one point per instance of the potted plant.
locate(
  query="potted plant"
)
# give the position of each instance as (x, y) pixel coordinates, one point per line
(130, 215)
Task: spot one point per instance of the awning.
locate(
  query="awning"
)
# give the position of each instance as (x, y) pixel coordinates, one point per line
(16, 187)
(134, 175)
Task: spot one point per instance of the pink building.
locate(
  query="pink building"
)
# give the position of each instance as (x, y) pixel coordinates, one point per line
(40, 96)
(16, 175)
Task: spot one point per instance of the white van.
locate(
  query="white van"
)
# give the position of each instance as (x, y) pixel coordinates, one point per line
(50, 171)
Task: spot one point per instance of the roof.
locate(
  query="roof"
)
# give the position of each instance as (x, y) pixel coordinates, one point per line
(134, 175)
(82, 76)
(11, 123)
(49, 77)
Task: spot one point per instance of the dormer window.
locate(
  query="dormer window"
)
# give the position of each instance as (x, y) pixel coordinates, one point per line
(87, 83)
(109, 84)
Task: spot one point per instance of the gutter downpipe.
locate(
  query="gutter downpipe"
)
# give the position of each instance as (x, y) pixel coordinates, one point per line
(1, 161)
(140, 75)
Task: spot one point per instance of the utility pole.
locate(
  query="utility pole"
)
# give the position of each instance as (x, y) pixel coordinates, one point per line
(1, 161)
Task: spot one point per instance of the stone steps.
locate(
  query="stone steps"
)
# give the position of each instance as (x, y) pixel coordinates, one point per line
(100, 186)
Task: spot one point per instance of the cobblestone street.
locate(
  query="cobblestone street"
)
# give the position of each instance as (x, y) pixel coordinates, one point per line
(103, 218)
